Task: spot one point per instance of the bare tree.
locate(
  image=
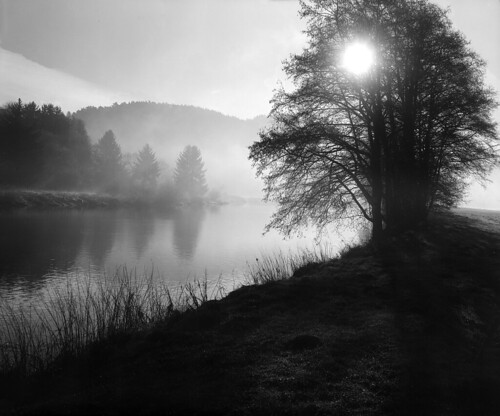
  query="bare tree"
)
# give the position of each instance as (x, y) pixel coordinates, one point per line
(387, 144)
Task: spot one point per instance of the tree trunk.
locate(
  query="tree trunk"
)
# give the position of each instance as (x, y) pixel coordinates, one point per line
(376, 174)
(377, 191)
(377, 227)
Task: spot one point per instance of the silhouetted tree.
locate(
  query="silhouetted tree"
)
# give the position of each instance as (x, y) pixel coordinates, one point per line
(387, 145)
(189, 175)
(109, 167)
(146, 169)
(66, 151)
(41, 147)
(19, 146)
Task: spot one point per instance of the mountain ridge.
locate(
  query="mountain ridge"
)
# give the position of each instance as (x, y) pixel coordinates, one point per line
(168, 128)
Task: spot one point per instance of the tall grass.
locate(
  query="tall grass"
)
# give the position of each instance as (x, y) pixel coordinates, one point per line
(279, 266)
(88, 311)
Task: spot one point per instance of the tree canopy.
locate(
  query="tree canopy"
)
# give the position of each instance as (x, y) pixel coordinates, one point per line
(109, 168)
(146, 169)
(40, 147)
(388, 144)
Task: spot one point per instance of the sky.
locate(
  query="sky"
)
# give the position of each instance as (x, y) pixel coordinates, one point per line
(221, 54)
(225, 55)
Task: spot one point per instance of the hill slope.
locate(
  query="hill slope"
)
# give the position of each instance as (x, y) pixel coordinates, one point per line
(168, 128)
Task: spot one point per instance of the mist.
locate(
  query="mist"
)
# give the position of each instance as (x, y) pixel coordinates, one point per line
(144, 271)
(223, 140)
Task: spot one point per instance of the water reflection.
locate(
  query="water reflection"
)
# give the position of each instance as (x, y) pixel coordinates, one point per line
(34, 243)
(187, 226)
(100, 229)
(141, 227)
(41, 249)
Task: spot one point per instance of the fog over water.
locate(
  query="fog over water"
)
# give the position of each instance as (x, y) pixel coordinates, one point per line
(43, 250)
(146, 145)
(222, 55)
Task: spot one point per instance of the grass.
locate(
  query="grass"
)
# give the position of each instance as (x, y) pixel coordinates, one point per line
(90, 311)
(22, 198)
(280, 266)
(412, 329)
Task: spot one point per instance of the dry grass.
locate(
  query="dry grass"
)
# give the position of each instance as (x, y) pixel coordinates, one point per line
(89, 311)
(279, 266)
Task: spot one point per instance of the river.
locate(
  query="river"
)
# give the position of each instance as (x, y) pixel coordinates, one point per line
(41, 249)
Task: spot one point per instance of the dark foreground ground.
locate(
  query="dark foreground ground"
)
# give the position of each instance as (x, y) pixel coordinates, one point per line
(414, 330)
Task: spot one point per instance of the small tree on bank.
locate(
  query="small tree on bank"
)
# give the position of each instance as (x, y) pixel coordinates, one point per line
(189, 175)
(109, 168)
(388, 144)
(146, 170)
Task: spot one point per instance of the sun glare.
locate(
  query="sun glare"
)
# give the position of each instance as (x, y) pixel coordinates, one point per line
(358, 58)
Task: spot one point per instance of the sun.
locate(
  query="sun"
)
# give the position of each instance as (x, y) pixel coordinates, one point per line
(358, 58)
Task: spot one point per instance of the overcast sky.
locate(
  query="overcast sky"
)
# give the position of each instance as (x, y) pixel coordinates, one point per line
(220, 54)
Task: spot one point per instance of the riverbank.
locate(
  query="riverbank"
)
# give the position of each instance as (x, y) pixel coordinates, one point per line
(15, 199)
(58, 199)
(413, 329)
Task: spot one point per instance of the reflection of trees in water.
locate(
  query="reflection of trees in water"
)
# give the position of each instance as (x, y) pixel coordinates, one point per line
(187, 226)
(141, 229)
(100, 229)
(34, 243)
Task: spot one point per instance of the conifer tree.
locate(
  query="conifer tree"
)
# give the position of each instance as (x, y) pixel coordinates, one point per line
(189, 175)
(146, 169)
(108, 163)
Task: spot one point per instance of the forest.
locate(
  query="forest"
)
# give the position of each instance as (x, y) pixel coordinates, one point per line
(41, 148)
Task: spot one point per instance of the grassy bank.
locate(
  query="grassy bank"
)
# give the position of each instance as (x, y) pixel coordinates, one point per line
(12, 199)
(88, 312)
(412, 329)
(43, 199)
(94, 310)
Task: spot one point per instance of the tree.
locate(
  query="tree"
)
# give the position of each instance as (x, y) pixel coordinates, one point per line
(66, 155)
(20, 149)
(387, 145)
(109, 167)
(189, 174)
(146, 169)
(42, 148)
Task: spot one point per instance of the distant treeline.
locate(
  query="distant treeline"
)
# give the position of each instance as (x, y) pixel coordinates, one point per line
(41, 148)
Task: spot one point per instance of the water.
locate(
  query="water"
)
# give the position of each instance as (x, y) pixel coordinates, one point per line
(41, 250)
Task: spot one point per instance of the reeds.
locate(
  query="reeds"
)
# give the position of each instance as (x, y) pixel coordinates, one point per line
(279, 265)
(87, 311)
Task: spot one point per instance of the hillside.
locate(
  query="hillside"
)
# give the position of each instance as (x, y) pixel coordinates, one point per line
(410, 330)
(168, 128)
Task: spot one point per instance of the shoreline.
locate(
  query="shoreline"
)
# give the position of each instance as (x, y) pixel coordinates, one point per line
(413, 329)
(33, 199)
